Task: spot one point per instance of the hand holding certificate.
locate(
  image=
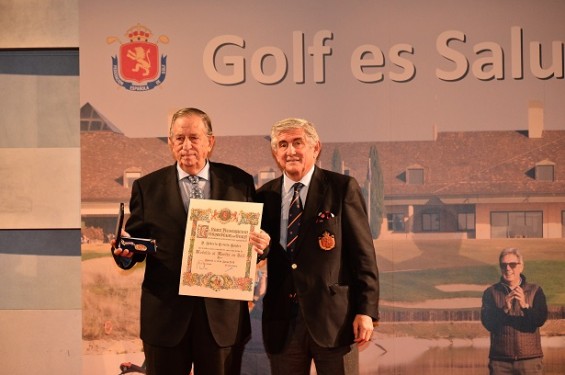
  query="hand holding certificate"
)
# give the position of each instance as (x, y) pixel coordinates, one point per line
(218, 260)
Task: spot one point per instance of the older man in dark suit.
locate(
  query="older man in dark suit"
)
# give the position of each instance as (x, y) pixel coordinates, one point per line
(180, 331)
(322, 278)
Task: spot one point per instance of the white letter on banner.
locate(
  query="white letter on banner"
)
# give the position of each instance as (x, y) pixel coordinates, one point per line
(461, 63)
(298, 56)
(236, 62)
(318, 50)
(359, 62)
(517, 60)
(257, 65)
(556, 67)
(396, 58)
(495, 61)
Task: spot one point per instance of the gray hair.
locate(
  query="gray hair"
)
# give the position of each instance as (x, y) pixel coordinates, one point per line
(510, 251)
(292, 124)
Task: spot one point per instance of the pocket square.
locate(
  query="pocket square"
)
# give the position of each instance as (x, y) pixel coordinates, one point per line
(324, 216)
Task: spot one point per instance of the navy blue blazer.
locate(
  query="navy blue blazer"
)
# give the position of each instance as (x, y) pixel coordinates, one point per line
(334, 271)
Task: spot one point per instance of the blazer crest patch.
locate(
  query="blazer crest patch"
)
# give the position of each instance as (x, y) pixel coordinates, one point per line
(326, 241)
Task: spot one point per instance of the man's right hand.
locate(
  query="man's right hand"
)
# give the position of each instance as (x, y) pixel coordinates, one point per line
(118, 251)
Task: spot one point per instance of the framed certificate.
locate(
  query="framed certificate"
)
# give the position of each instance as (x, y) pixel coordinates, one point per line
(218, 260)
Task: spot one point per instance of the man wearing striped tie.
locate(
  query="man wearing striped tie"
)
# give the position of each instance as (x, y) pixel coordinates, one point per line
(322, 278)
(180, 331)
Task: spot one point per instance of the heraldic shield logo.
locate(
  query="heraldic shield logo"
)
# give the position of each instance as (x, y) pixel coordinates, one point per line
(138, 66)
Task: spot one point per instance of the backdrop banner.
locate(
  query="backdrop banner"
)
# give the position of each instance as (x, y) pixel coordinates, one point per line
(449, 114)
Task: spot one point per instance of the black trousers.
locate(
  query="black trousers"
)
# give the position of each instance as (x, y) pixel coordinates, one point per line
(300, 350)
(197, 348)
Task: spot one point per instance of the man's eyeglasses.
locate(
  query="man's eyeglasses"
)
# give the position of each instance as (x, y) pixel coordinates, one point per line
(511, 264)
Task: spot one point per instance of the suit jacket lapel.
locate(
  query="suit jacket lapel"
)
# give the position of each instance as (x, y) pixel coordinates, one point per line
(173, 194)
(218, 186)
(276, 201)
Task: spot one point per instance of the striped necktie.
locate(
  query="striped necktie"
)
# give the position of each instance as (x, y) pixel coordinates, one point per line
(294, 218)
(195, 190)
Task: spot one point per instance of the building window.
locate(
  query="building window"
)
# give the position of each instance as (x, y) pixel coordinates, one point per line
(130, 177)
(430, 222)
(90, 120)
(545, 172)
(465, 221)
(415, 176)
(516, 224)
(395, 222)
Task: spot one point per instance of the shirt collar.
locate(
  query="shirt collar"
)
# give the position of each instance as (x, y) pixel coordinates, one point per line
(204, 173)
(288, 183)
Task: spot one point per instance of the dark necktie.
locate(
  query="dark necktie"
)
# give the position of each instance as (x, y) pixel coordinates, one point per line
(294, 218)
(195, 191)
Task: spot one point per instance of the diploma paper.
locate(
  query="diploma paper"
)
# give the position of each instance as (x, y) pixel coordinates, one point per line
(218, 260)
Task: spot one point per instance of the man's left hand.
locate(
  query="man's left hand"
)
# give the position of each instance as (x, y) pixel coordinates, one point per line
(362, 328)
(519, 295)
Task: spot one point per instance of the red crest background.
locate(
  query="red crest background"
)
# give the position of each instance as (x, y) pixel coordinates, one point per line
(142, 70)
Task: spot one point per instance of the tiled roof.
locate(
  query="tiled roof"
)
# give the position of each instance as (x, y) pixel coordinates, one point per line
(492, 163)
(463, 163)
(106, 155)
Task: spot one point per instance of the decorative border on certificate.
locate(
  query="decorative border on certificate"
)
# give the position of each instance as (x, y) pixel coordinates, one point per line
(218, 260)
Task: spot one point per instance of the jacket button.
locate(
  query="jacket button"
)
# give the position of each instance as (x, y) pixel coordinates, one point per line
(294, 266)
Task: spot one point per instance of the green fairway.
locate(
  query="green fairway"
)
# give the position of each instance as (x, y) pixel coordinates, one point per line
(411, 269)
(420, 285)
